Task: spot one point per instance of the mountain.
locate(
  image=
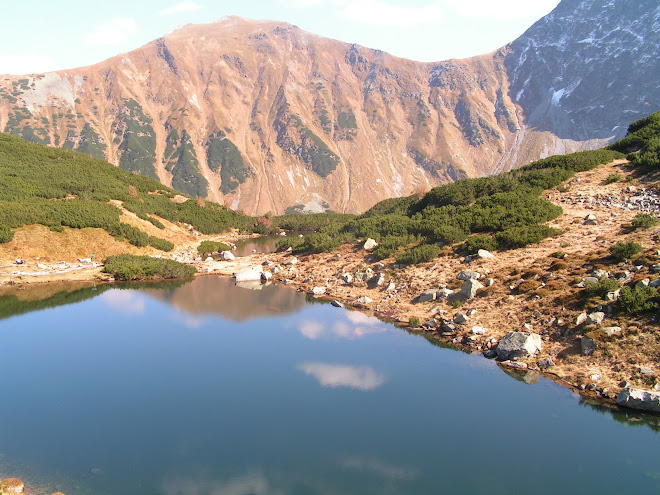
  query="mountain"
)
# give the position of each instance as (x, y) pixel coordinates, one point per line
(263, 116)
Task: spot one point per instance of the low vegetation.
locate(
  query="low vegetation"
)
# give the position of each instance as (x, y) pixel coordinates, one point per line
(211, 247)
(622, 251)
(130, 267)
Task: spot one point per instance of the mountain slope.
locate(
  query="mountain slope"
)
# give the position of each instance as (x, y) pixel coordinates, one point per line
(266, 117)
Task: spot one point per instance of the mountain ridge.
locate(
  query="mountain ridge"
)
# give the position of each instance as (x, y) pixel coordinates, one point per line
(263, 116)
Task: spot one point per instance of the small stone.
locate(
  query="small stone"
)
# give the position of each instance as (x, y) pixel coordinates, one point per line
(464, 275)
(482, 253)
(515, 364)
(581, 319)
(479, 331)
(390, 287)
(443, 293)
(266, 276)
(460, 318)
(364, 300)
(228, 256)
(546, 363)
(612, 331)
(290, 261)
(470, 288)
(347, 277)
(595, 377)
(317, 291)
(337, 304)
(643, 283)
(490, 353)
(379, 280)
(600, 273)
(587, 346)
(490, 282)
(427, 296)
(472, 312)
(209, 259)
(596, 318)
(646, 371)
(370, 244)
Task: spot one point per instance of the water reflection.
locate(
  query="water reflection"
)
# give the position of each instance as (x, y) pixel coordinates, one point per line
(124, 302)
(354, 325)
(249, 484)
(211, 295)
(363, 378)
(380, 468)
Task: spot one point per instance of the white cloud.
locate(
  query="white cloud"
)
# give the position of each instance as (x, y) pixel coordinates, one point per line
(311, 329)
(112, 32)
(357, 326)
(502, 10)
(181, 7)
(127, 302)
(26, 64)
(363, 378)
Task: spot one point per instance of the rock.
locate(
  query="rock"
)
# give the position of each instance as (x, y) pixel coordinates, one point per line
(519, 345)
(587, 346)
(655, 284)
(370, 244)
(317, 291)
(595, 377)
(364, 300)
(581, 319)
(277, 270)
(600, 273)
(482, 253)
(590, 220)
(443, 293)
(470, 288)
(283, 234)
(656, 268)
(390, 287)
(639, 399)
(229, 256)
(291, 261)
(267, 263)
(379, 266)
(490, 353)
(643, 283)
(612, 331)
(368, 274)
(546, 363)
(427, 296)
(479, 331)
(613, 296)
(337, 304)
(249, 274)
(11, 485)
(460, 318)
(595, 318)
(41, 266)
(85, 261)
(515, 365)
(472, 312)
(346, 277)
(490, 282)
(377, 280)
(646, 371)
(590, 280)
(464, 275)
(266, 276)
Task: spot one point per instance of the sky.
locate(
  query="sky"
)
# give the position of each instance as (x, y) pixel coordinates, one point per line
(44, 35)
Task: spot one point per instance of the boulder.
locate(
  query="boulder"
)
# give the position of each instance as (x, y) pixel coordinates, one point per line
(546, 363)
(443, 293)
(266, 276)
(370, 244)
(379, 280)
(519, 345)
(364, 300)
(590, 220)
(346, 277)
(227, 256)
(11, 485)
(427, 296)
(208, 259)
(595, 318)
(290, 261)
(587, 346)
(612, 331)
(470, 288)
(249, 274)
(465, 275)
(337, 304)
(479, 331)
(482, 253)
(581, 319)
(461, 318)
(317, 291)
(390, 287)
(600, 273)
(490, 282)
(639, 399)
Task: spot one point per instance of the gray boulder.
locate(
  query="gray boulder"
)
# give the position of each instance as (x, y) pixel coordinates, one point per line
(249, 274)
(427, 296)
(595, 318)
(519, 345)
(470, 288)
(370, 244)
(227, 256)
(364, 300)
(587, 346)
(639, 399)
(482, 253)
(464, 275)
(317, 291)
(347, 277)
(291, 261)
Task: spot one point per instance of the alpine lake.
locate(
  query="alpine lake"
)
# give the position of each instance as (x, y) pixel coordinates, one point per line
(204, 387)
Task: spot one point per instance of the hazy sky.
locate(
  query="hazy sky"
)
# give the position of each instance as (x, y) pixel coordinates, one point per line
(43, 35)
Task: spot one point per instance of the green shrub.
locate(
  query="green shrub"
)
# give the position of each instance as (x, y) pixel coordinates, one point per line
(210, 247)
(600, 288)
(129, 267)
(420, 254)
(6, 234)
(638, 299)
(162, 244)
(518, 237)
(644, 221)
(613, 178)
(413, 322)
(476, 242)
(622, 251)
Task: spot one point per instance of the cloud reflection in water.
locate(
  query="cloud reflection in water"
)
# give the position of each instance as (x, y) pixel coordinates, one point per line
(363, 378)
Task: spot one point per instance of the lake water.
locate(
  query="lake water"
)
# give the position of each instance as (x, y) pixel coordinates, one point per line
(208, 388)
